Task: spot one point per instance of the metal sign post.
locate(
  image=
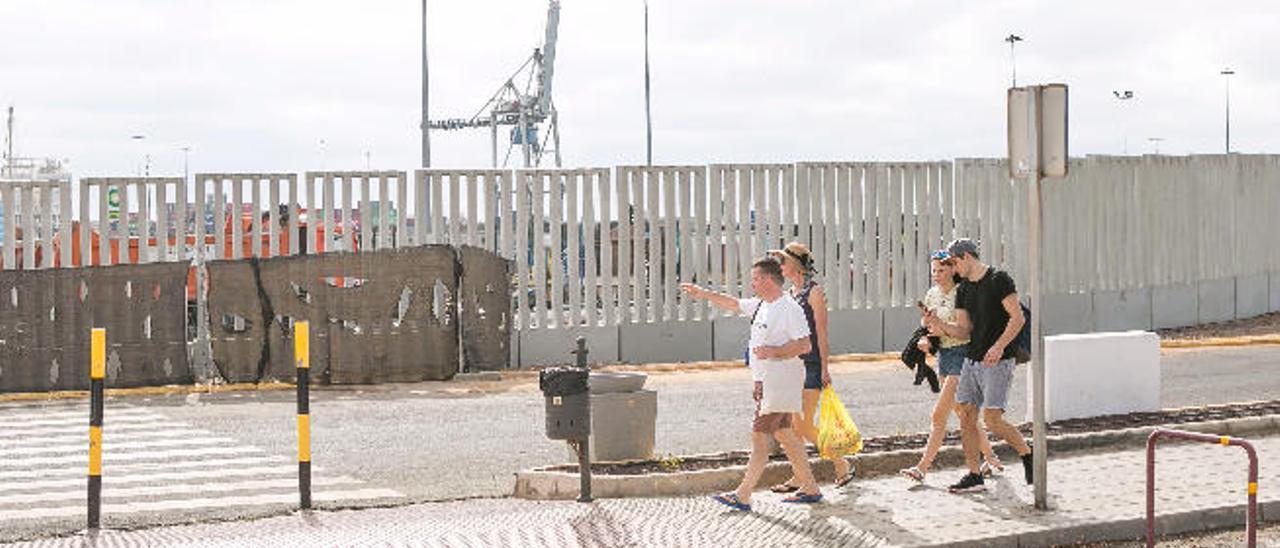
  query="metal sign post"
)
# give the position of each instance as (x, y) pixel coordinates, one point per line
(1037, 147)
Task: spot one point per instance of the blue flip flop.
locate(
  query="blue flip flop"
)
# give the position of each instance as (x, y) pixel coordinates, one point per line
(804, 498)
(731, 500)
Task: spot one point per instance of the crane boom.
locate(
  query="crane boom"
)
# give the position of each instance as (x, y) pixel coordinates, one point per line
(548, 57)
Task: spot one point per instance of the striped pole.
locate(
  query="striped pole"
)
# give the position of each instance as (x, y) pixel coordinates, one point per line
(97, 370)
(302, 358)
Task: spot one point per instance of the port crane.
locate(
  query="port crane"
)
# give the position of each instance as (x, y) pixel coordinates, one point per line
(528, 111)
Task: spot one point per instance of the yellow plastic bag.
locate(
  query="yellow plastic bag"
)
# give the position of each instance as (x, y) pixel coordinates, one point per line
(838, 436)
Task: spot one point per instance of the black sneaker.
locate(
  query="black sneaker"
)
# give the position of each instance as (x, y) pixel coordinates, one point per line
(1028, 468)
(970, 483)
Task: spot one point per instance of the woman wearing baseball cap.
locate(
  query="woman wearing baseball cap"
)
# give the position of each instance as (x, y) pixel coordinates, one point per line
(940, 300)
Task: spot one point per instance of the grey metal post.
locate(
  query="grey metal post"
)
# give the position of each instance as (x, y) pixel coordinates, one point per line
(1013, 59)
(648, 119)
(1035, 243)
(584, 469)
(202, 352)
(581, 352)
(8, 157)
(584, 445)
(1227, 73)
(426, 135)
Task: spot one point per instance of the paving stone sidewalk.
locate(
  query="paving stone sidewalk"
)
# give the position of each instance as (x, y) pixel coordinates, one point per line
(1094, 497)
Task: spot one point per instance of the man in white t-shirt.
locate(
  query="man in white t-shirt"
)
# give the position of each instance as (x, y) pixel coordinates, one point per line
(779, 336)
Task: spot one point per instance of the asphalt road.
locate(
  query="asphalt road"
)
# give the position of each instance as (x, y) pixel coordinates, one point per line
(433, 441)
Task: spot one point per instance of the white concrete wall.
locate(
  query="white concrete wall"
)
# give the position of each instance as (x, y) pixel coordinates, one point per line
(1100, 374)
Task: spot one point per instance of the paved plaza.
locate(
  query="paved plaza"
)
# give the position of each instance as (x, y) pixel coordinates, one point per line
(1094, 497)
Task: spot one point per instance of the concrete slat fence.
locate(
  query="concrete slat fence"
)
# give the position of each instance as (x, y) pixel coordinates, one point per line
(267, 202)
(562, 234)
(605, 249)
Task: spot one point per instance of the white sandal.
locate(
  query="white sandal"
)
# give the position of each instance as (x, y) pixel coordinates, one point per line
(914, 474)
(988, 470)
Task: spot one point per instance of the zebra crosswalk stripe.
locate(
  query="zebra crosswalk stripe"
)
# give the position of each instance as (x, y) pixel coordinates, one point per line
(150, 463)
(78, 447)
(8, 418)
(107, 456)
(11, 487)
(80, 426)
(109, 507)
(34, 424)
(119, 469)
(275, 484)
(60, 440)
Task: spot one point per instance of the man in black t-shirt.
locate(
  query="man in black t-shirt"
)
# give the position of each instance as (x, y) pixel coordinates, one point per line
(988, 314)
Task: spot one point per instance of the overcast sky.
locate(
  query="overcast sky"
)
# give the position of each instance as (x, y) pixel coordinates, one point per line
(255, 85)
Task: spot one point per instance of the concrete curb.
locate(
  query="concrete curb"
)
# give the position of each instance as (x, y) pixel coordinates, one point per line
(479, 376)
(541, 484)
(1133, 528)
(548, 485)
(1249, 340)
(1177, 523)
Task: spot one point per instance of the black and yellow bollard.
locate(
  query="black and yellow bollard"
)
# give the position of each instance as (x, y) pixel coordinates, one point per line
(97, 372)
(302, 358)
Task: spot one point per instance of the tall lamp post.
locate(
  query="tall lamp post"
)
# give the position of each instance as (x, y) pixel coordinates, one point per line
(202, 356)
(426, 137)
(1013, 60)
(146, 171)
(186, 156)
(1226, 73)
(648, 118)
(1156, 141)
(1124, 97)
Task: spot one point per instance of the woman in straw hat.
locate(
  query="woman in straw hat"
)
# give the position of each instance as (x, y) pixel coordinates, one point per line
(797, 267)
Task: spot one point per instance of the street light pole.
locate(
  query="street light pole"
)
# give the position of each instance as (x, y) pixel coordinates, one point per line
(139, 138)
(186, 155)
(1156, 142)
(1227, 73)
(648, 118)
(202, 354)
(426, 136)
(1013, 60)
(1124, 97)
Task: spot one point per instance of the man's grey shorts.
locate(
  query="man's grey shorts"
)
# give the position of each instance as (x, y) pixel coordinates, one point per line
(985, 387)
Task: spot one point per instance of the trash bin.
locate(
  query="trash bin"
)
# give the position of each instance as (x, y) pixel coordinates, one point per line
(623, 416)
(567, 402)
(568, 406)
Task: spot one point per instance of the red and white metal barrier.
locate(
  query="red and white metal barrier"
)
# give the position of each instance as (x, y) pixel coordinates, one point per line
(1251, 527)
